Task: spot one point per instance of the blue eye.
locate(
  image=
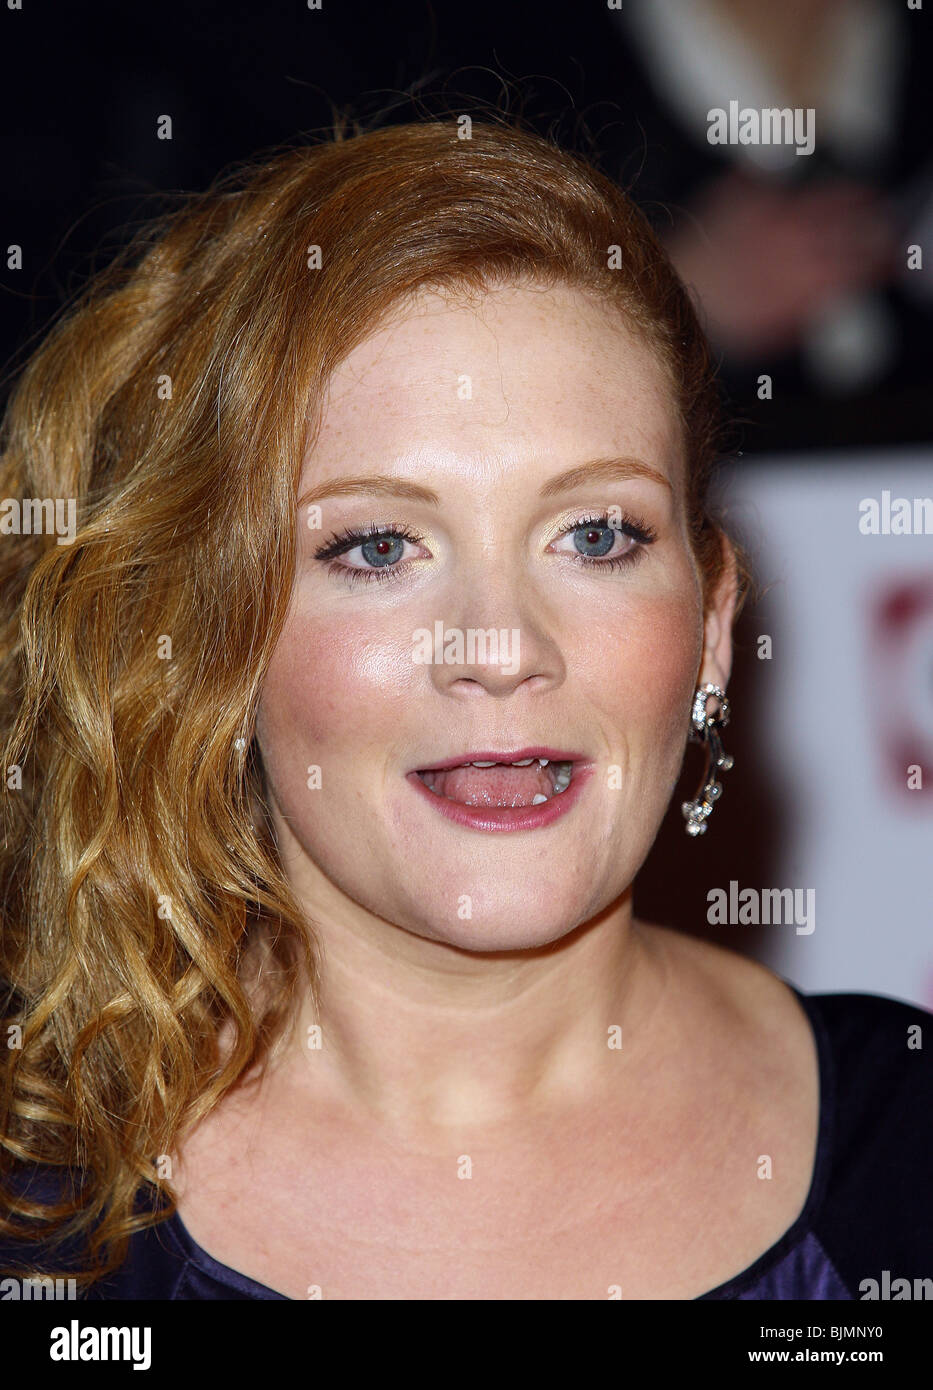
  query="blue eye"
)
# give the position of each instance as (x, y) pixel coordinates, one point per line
(590, 541)
(595, 536)
(382, 548)
(594, 540)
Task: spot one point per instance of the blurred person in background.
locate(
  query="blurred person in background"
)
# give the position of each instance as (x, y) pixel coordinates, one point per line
(799, 261)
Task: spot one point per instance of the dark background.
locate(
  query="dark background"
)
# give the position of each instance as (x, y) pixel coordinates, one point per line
(83, 85)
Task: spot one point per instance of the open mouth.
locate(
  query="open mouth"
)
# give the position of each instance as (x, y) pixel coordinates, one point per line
(530, 782)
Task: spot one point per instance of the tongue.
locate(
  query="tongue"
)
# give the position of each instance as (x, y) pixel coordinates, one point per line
(492, 786)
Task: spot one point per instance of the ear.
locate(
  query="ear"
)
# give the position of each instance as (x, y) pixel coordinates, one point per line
(716, 664)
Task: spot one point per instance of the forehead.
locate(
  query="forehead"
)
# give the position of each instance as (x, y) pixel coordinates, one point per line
(516, 372)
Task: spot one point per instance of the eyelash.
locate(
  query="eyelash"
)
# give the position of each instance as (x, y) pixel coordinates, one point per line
(348, 539)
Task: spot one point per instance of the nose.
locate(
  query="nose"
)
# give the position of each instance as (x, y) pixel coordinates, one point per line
(495, 642)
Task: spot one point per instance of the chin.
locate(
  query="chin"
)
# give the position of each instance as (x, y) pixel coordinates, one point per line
(498, 933)
(517, 917)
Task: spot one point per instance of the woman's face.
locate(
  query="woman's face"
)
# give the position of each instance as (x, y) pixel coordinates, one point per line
(501, 437)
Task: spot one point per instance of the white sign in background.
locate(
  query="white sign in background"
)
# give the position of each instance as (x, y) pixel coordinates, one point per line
(845, 709)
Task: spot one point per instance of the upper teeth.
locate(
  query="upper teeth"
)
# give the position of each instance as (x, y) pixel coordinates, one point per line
(525, 762)
(561, 781)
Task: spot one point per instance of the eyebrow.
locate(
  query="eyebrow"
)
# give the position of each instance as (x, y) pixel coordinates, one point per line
(605, 470)
(602, 470)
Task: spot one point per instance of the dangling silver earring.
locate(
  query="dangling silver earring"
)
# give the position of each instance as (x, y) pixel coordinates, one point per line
(704, 728)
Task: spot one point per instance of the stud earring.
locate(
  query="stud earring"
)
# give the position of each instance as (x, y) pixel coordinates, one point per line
(704, 728)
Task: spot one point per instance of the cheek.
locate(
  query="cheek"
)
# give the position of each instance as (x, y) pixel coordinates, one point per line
(334, 686)
(645, 676)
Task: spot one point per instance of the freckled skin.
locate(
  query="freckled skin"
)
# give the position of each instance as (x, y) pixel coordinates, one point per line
(609, 660)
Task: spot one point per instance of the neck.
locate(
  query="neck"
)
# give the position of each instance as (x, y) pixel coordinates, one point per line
(417, 1034)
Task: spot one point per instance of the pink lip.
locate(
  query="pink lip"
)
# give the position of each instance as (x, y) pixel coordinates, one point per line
(553, 755)
(508, 817)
